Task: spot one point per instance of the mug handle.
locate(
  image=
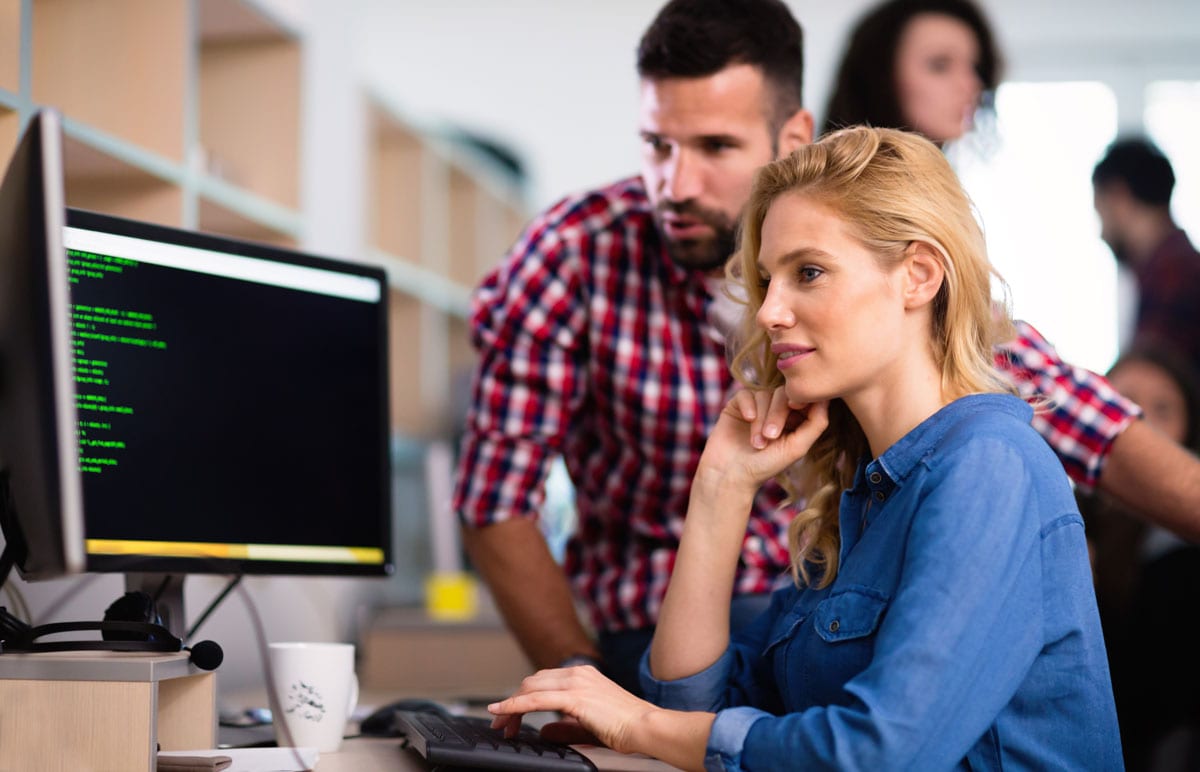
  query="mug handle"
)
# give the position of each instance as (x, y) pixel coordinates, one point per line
(352, 703)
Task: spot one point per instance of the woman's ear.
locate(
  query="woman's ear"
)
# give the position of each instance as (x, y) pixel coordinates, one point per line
(924, 273)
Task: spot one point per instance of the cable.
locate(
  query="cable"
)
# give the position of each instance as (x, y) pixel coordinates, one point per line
(166, 581)
(212, 606)
(260, 636)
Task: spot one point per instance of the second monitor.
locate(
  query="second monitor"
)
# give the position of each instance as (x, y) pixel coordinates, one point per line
(232, 407)
(232, 404)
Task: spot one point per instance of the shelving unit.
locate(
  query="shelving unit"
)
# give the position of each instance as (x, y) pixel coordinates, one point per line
(248, 146)
(10, 126)
(87, 58)
(191, 113)
(440, 217)
(188, 113)
(10, 48)
(179, 112)
(105, 182)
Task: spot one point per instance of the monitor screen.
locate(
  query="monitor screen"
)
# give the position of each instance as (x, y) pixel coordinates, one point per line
(232, 403)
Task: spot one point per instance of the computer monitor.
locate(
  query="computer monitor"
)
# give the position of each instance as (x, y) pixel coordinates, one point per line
(41, 500)
(230, 404)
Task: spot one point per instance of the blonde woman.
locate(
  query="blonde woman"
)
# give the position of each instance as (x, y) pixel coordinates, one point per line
(941, 614)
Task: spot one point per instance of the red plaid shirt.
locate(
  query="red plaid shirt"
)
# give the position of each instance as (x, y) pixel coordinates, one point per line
(594, 345)
(1169, 297)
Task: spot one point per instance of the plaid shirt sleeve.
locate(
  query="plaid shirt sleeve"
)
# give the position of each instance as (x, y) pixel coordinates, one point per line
(1077, 411)
(527, 323)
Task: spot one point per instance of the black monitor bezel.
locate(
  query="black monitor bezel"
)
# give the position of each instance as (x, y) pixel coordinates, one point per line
(43, 524)
(89, 220)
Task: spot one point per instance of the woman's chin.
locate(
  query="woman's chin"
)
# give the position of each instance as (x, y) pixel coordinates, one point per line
(804, 395)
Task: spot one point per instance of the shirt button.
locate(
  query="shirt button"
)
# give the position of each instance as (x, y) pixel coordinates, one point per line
(875, 477)
(880, 495)
(834, 625)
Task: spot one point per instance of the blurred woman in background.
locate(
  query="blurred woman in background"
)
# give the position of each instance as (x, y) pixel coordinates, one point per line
(924, 65)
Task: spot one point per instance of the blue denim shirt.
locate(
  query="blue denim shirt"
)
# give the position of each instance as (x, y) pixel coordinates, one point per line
(961, 631)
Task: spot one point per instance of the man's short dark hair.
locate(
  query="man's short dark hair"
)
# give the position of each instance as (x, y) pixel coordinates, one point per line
(1143, 168)
(698, 38)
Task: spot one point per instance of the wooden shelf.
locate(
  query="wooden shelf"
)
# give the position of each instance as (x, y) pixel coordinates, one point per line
(419, 367)
(117, 66)
(103, 183)
(249, 110)
(10, 130)
(10, 45)
(439, 220)
(214, 217)
(395, 182)
(478, 658)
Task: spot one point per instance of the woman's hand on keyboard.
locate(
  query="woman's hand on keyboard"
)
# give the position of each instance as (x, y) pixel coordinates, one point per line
(603, 709)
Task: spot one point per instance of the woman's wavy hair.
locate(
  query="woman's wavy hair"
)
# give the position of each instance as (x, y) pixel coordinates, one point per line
(892, 188)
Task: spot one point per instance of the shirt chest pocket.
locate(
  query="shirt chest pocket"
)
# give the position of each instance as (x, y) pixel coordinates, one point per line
(849, 615)
(840, 646)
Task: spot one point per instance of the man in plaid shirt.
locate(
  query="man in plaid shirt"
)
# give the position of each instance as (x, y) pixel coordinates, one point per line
(600, 341)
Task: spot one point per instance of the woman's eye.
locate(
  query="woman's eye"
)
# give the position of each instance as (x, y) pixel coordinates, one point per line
(939, 65)
(763, 280)
(809, 273)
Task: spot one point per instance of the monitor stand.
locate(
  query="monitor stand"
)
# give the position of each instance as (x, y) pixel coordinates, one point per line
(167, 592)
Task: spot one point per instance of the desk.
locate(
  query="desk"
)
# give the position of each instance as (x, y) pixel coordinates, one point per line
(101, 710)
(384, 754)
(378, 754)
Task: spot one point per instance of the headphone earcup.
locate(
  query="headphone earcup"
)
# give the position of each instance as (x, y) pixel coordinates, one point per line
(134, 606)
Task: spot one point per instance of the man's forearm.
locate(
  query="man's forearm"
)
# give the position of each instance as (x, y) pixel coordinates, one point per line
(1155, 478)
(530, 590)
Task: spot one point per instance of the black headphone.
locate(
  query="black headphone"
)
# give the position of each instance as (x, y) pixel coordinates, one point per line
(131, 623)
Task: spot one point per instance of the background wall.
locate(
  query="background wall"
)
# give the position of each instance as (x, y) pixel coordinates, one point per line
(556, 80)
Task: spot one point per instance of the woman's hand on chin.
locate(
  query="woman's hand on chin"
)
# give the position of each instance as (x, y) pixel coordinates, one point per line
(758, 435)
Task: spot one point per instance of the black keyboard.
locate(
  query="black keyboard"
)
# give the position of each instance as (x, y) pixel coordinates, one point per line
(464, 741)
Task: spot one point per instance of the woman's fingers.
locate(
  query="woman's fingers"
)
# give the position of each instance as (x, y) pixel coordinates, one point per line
(816, 420)
(598, 707)
(743, 405)
(540, 691)
(762, 418)
(776, 414)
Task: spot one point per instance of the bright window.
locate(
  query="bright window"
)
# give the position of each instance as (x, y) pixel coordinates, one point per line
(1172, 122)
(1032, 185)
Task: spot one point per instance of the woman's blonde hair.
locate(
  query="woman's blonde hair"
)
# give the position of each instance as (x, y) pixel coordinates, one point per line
(892, 188)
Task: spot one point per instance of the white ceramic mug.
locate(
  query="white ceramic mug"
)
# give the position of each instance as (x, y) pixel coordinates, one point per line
(315, 692)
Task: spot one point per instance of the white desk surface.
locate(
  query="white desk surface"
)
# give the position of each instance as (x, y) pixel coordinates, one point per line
(384, 754)
(378, 754)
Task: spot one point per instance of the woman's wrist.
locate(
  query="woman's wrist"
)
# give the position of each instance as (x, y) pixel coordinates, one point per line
(711, 483)
(677, 737)
(575, 660)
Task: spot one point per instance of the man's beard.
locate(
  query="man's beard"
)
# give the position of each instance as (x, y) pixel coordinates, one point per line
(699, 254)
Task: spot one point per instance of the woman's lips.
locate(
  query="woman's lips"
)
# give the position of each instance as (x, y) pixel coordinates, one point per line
(789, 355)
